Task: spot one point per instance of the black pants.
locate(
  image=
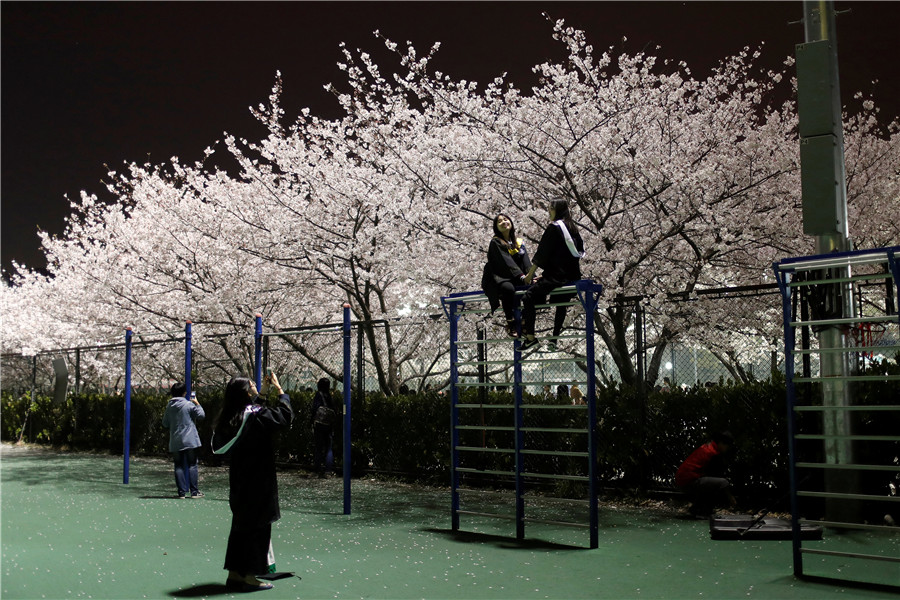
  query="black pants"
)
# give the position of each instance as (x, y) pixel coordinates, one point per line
(248, 550)
(537, 294)
(508, 299)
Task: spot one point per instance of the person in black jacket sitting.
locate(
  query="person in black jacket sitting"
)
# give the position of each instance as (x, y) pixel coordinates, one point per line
(505, 269)
(558, 255)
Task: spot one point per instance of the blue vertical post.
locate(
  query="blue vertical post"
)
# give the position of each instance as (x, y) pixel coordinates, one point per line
(188, 360)
(520, 435)
(784, 278)
(257, 339)
(348, 454)
(453, 316)
(589, 300)
(127, 448)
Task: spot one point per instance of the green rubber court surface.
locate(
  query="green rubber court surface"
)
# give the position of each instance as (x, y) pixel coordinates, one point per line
(72, 529)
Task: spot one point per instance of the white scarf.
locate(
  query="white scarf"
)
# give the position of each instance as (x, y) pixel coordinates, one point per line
(247, 412)
(568, 237)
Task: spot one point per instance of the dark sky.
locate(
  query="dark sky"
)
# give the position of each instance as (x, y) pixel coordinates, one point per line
(87, 84)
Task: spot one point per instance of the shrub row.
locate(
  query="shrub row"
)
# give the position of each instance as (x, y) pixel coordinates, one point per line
(640, 444)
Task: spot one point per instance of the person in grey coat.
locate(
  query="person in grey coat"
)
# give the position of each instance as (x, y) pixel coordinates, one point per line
(184, 442)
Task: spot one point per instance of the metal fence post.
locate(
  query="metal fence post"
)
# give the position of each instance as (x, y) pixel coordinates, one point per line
(257, 343)
(187, 358)
(127, 448)
(348, 459)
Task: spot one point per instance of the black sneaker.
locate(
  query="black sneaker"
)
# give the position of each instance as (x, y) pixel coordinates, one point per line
(551, 346)
(197, 495)
(528, 344)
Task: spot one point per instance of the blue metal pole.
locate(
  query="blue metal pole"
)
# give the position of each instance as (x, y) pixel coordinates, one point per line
(589, 302)
(257, 368)
(784, 278)
(187, 358)
(453, 316)
(348, 447)
(520, 435)
(127, 448)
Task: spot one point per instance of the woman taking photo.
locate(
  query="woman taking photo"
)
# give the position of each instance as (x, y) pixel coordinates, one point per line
(558, 255)
(244, 432)
(505, 269)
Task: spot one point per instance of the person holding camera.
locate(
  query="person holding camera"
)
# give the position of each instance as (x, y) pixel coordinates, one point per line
(184, 441)
(245, 433)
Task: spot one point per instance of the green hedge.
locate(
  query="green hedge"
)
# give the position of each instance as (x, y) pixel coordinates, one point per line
(640, 444)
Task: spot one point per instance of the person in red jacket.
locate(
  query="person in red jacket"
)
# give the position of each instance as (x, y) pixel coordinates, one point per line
(702, 476)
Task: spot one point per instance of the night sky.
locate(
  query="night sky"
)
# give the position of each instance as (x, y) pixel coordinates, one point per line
(91, 84)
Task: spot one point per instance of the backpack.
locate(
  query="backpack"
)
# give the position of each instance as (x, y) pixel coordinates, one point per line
(325, 415)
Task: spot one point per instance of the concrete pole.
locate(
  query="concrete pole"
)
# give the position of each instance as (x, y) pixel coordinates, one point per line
(825, 217)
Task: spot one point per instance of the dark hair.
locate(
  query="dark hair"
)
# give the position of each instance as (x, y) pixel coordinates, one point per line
(324, 385)
(237, 397)
(512, 229)
(179, 390)
(560, 208)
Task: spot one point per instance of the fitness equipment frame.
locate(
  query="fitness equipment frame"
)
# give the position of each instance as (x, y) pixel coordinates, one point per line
(457, 305)
(827, 278)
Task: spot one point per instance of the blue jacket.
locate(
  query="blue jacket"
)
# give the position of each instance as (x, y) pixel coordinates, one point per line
(179, 418)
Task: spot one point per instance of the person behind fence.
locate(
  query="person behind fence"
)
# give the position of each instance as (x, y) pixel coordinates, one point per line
(180, 419)
(244, 432)
(507, 263)
(558, 255)
(323, 418)
(702, 476)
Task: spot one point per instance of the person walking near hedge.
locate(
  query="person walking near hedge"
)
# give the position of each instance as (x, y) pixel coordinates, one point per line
(184, 441)
(245, 432)
(322, 418)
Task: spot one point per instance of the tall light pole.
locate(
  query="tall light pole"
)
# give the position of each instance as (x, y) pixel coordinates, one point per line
(824, 200)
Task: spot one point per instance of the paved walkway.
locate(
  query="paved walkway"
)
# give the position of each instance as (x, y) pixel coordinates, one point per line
(71, 529)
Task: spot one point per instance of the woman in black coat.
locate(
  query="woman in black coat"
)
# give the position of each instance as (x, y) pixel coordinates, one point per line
(505, 269)
(244, 432)
(559, 256)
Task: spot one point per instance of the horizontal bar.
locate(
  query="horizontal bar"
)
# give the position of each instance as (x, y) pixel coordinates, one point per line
(847, 378)
(848, 467)
(483, 384)
(551, 522)
(847, 350)
(558, 477)
(527, 497)
(484, 427)
(484, 472)
(846, 321)
(552, 360)
(838, 496)
(553, 430)
(839, 524)
(477, 449)
(854, 408)
(484, 341)
(555, 453)
(484, 514)
(837, 259)
(485, 406)
(837, 436)
(471, 363)
(560, 406)
(850, 554)
(864, 277)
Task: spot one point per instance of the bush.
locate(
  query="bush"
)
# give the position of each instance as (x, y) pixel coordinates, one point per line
(640, 444)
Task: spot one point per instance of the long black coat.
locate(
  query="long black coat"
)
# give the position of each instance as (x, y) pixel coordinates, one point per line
(253, 496)
(502, 266)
